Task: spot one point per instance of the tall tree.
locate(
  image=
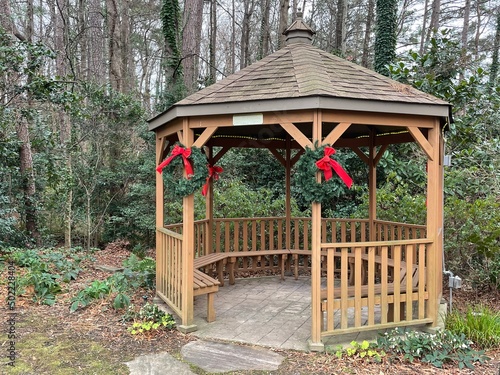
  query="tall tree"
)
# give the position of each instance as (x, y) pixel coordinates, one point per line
(435, 15)
(340, 27)
(283, 21)
(248, 9)
(494, 58)
(385, 36)
(368, 31)
(191, 39)
(213, 42)
(264, 29)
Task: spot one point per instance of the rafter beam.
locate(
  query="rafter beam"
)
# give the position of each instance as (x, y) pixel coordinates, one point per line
(159, 156)
(361, 155)
(422, 141)
(204, 137)
(336, 133)
(220, 154)
(181, 138)
(278, 156)
(380, 153)
(296, 134)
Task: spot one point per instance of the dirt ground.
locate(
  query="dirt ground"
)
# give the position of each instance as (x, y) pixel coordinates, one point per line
(52, 340)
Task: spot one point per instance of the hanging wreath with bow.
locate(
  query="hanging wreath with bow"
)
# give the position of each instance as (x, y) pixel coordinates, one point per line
(192, 161)
(309, 164)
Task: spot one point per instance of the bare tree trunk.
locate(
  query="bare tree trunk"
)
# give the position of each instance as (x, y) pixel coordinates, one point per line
(264, 29)
(233, 38)
(126, 72)
(93, 46)
(424, 25)
(213, 40)
(340, 27)
(113, 45)
(191, 39)
(368, 31)
(28, 177)
(61, 30)
(283, 22)
(245, 33)
(465, 28)
(478, 29)
(434, 25)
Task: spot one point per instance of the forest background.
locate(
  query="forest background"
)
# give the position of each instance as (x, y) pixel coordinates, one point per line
(79, 79)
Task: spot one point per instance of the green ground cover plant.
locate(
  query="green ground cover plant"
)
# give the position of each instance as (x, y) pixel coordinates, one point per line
(46, 270)
(137, 273)
(148, 319)
(479, 324)
(442, 347)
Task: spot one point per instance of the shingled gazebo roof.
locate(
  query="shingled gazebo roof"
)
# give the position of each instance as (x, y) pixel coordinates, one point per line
(299, 77)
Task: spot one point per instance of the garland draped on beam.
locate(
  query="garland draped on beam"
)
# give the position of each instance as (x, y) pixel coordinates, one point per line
(305, 175)
(192, 161)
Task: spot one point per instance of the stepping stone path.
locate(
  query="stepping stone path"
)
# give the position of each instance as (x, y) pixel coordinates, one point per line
(158, 364)
(217, 357)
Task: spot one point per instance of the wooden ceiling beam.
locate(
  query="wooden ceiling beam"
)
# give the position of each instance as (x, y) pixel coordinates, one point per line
(204, 137)
(336, 133)
(296, 134)
(422, 141)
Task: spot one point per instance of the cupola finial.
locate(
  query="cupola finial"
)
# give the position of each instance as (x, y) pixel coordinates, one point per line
(299, 31)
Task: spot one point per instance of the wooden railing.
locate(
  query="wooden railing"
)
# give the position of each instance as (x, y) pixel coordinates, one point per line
(362, 277)
(169, 263)
(390, 231)
(269, 233)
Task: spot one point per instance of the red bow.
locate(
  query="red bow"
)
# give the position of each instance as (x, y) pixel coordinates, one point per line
(184, 153)
(326, 164)
(213, 173)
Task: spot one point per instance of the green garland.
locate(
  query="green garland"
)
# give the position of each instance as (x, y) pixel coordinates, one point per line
(173, 174)
(305, 178)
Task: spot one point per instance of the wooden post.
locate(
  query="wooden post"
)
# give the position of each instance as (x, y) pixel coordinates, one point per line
(315, 344)
(439, 262)
(288, 193)
(372, 187)
(209, 208)
(159, 210)
(434, 223)
(187, 247)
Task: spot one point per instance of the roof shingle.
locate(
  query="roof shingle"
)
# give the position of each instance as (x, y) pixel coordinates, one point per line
(302, 70)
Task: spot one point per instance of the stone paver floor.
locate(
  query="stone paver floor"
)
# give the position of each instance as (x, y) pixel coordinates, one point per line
(263, 311)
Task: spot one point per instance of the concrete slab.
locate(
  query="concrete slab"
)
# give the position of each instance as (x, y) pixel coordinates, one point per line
(215, 357)
(158, 364)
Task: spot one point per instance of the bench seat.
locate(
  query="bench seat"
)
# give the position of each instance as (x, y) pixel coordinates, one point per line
(204, 284)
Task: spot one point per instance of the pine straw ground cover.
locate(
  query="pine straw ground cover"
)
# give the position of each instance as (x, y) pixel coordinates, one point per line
(94, 340)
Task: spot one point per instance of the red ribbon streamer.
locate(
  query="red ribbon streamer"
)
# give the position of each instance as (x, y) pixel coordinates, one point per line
(178, 151)
(213, 173)
(326, 164)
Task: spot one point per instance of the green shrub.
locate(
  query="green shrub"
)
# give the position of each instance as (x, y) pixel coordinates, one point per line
(436, 349)
(143, 270)
(480, 325)
(45, 269)
(472, 246)
(150, 318)
(138, 273)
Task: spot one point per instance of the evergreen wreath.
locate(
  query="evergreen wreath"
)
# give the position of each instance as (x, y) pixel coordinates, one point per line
(173, 176)
(305, 178)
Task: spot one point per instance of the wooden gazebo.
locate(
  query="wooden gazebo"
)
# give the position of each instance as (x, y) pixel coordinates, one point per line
(292, 99)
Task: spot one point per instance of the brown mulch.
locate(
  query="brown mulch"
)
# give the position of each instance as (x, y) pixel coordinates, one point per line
(99, 322)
